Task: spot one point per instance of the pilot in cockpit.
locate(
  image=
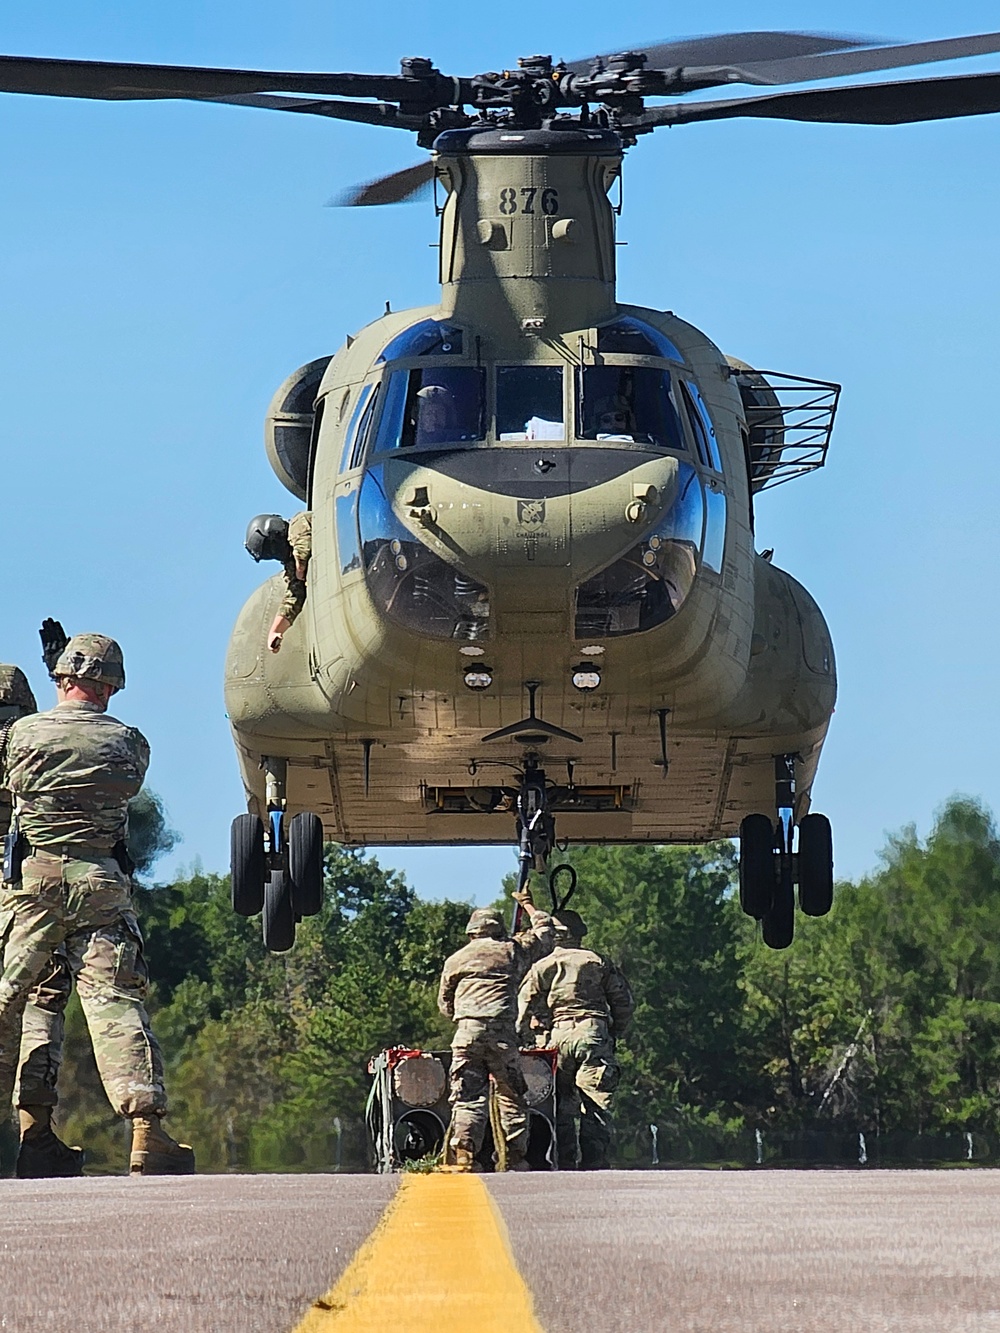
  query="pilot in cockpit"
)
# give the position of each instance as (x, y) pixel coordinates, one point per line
(434, 415)
(615, 418)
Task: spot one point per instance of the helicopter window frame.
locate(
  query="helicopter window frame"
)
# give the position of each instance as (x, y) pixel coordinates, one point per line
(623, 362)
(565, 392)
(400, 394)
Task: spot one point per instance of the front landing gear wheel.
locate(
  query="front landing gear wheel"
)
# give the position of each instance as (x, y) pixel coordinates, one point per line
(279, 913)
(757, 871)
(305, 862)
(815, 865)
(779, 922)
(246, 865)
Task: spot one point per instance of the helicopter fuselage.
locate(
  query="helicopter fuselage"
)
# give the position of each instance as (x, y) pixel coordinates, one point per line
(532, 515)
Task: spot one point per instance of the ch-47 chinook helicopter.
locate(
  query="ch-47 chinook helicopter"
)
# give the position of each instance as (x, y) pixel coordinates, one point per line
(533, 599)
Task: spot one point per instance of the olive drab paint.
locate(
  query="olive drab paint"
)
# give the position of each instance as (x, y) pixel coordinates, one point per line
(501, 549)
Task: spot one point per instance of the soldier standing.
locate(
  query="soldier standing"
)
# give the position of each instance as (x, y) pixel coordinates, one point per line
(582, 1002)
(479, 993)
(41, 1153)
(72, 772)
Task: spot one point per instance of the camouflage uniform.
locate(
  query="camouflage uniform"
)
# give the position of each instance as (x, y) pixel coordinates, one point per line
(44, 1022)
(300, 541)
(583, 1003)
(73, 771)
(479, 992)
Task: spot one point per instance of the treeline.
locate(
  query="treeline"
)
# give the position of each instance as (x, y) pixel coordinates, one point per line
(883, 1017)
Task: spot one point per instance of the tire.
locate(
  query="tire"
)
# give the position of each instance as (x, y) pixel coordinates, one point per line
(279, 914)
(779, 923)
(305, 862)
(246, 864)
(756, 865)
(815, 865)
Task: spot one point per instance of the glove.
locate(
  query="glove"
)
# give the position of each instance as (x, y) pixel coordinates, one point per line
(523, 897)
(54, 639)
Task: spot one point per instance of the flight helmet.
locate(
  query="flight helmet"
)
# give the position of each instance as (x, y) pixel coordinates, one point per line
(267, 538)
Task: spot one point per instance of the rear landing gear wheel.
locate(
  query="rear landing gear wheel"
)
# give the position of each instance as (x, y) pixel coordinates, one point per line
(815, 865)
(279, 913)
(305, 862)
(246, 865)
(757, 870)
(779, 923)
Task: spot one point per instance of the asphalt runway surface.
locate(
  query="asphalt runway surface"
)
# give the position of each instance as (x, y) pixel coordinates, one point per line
(730, 1252)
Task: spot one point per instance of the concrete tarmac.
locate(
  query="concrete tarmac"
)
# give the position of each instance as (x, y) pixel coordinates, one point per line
(732, 1252)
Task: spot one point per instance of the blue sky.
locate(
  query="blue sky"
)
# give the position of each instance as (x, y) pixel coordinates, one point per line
(163, 266)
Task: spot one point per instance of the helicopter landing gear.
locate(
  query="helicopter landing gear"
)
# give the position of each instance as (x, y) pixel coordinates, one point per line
(276, 865)
(770, 868)
(536, 827)
(247, 864)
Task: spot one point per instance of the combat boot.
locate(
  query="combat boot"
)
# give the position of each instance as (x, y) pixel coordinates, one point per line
(42, 1154)
(155, 1153)
(464, 1160)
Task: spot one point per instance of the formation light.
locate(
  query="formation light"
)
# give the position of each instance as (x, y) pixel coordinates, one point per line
(478, 677)
(586, 676)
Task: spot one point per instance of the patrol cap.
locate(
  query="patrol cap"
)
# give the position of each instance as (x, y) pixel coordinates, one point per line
(486, 921)
(92, 657)
(569, 925)
(15, 692)
(267, 538)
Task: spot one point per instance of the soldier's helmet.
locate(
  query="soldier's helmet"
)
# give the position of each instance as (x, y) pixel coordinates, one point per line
(486, 921)
(92, 657)
(16, 698)
(569, 925)
(267, 538)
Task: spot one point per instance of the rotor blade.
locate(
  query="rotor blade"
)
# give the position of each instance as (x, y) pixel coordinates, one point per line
(124, 82)
(834, 64)
(399, 188)
(861, 104)
(367, 113)
(732, 48)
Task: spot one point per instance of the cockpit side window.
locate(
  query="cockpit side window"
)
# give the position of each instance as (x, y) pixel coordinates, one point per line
(701, 424)
(365, 415)
(437, 405)
(530, 403)
(352, 428)
(635, 404)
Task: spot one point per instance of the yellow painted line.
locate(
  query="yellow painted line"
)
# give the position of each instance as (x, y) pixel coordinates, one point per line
(439, 1261)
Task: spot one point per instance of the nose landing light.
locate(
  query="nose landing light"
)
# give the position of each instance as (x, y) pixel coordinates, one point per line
(477, 676)
(586, 676)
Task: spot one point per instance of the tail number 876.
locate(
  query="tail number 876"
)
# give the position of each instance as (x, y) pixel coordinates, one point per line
(529, 199)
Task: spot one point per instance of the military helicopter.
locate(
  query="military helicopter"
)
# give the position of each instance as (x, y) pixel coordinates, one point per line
(534, 602)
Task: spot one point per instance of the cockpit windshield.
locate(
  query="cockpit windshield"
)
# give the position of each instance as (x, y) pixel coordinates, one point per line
(439, 405)
(634, 404)
(530, 403)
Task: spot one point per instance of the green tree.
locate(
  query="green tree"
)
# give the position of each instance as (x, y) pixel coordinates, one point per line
(886, 1015)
